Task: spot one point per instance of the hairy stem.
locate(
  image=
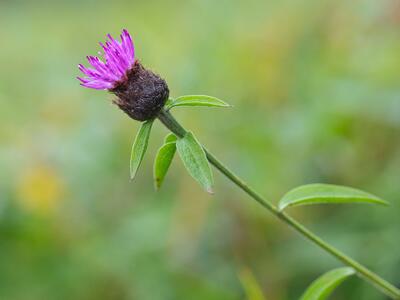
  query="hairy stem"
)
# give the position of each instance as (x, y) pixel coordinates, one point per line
(384, 286)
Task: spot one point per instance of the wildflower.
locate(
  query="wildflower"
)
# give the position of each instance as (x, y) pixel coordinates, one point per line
(141, 93)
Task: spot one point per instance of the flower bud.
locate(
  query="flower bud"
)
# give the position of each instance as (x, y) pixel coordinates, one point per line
(141, 93)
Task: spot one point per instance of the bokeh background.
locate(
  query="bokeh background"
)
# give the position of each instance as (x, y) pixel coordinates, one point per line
(316, 93)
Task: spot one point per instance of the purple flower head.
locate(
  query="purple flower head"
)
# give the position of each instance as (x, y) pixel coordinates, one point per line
(141, 94)
(119, 59)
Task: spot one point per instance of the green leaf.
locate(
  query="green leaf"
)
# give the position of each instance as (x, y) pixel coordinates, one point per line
(139, 146)
(197, 100)
(326, 193)
(170, 138)
(162, 162)
(324, 285)
(195, 160)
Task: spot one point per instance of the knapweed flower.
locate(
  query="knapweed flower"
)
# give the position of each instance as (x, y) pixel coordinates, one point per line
(141, 93)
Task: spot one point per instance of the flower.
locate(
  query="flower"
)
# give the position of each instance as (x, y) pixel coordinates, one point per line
(119, 58)
(141, 93)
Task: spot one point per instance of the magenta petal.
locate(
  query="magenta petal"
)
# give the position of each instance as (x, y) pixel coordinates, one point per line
(98, 85)
(119, 58)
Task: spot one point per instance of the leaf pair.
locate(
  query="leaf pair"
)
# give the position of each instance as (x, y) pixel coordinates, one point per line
(189, 149)
(193, 158)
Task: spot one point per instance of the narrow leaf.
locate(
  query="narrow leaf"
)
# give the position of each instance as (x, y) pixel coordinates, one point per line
(197, 100)
(162, 162)
(139, 146)
(324, 285)
(195, 160)
(326, 193)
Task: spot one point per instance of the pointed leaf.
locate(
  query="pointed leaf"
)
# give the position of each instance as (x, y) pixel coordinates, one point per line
(197, 100)
(323, 286)
(162, 162)
(139, 146)
(195, 160)
(326, 193)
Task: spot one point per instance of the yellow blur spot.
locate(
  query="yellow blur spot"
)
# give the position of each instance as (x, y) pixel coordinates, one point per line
(40, 190)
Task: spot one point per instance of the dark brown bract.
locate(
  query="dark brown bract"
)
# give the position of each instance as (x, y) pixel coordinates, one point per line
(142, 94)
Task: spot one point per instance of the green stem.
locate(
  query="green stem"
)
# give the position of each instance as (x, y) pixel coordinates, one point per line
(387, 288)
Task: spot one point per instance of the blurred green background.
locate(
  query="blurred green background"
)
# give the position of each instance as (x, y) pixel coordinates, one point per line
(316, 94)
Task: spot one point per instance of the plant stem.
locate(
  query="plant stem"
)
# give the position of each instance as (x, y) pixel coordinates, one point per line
(384, 286)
